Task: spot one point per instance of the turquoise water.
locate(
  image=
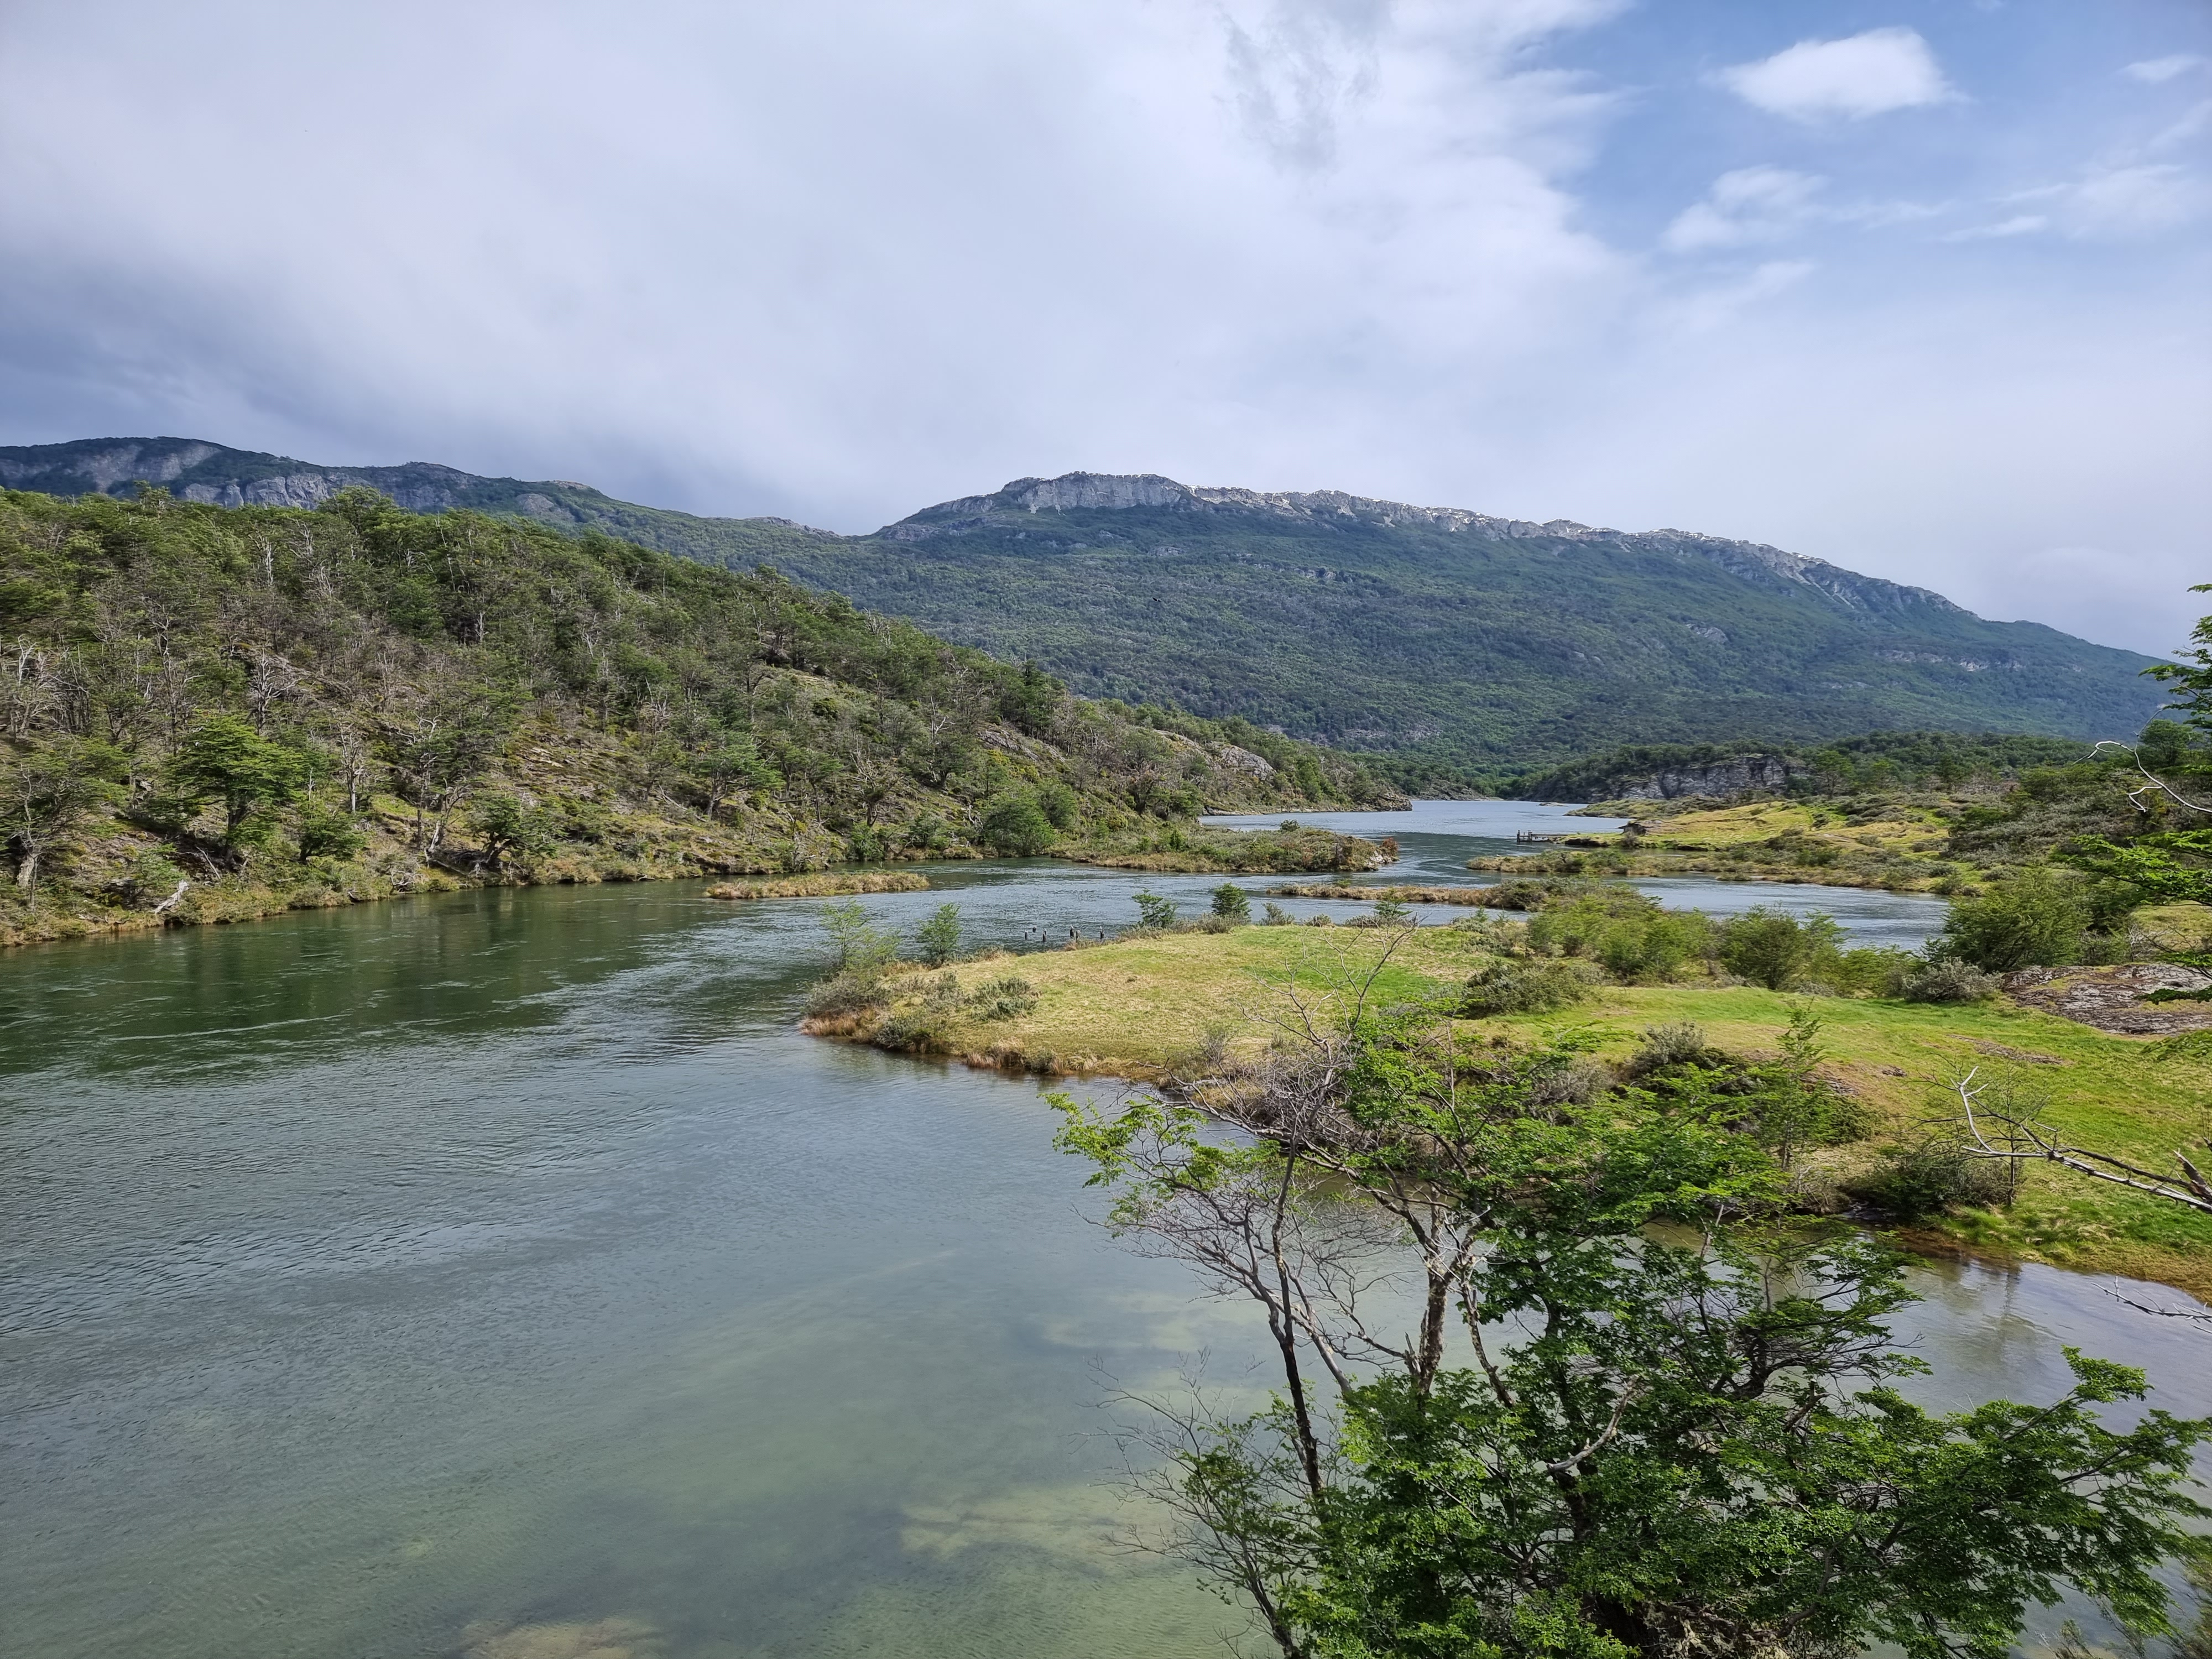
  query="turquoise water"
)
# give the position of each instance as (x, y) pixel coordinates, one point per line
(501, 1274)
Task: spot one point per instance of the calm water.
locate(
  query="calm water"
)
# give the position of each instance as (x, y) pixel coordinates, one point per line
(438, 1277)
(1437, 838)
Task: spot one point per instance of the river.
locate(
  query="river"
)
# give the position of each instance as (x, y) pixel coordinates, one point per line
(453, 1275)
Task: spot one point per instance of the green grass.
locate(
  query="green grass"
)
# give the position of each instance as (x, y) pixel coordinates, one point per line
(1141, 1005)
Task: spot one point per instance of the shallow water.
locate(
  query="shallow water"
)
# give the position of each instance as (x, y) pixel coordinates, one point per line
(1437, 838)
(456, 1274)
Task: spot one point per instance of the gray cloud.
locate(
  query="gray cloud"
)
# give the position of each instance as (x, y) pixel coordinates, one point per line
(842, 260)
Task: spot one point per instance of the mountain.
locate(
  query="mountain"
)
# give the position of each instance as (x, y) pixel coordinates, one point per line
(1452, 642)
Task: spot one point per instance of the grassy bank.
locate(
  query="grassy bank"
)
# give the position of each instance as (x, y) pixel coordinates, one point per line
(1149, 1004)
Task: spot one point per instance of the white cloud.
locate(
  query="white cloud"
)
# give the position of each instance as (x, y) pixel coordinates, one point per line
(2129, 202)
(2158, 70)
(2020, 224)
(1750, 204)
(1863, 75)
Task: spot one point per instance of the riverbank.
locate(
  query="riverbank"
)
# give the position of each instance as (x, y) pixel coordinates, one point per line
(126, 880)
(1149, 1006)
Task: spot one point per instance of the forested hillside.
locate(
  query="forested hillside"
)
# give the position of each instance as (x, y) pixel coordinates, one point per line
(275, 706)
(1457, 647)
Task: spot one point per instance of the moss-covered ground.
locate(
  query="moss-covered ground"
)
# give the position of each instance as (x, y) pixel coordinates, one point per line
(1142, 1005)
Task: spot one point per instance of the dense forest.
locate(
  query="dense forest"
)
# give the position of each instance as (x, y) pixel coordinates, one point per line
(1460, 652)
(208, 712)
(1876, 760)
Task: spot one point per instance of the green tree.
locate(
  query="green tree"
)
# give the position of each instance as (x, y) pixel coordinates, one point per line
(1231, 904)
(1155, 912)
(506, 825)
(939, 937)
(223, 759)
(1060, 805)
(1775, 949)
(2035, 918)
(327, 831)
(1693, 1441)
(46, 795)
(1017, 827)
(862, 947)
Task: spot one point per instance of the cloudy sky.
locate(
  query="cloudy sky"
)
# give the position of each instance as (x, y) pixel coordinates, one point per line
(1920, 286)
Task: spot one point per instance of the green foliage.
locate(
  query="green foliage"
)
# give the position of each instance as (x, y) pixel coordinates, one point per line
(1006, 997)
(1232, 904)
(1879, 761)
(861, 947)
(1691, 1441)
(938, 939)
(2035, 918)
(1392, 913)
(1276, 916)
(1915, 1179)
(1776, 950)
(507, 826)
(1619, 928)
(46, 795)
(329, 832)
(1018, 827)
(223, 759)
(1506, 987)
(1062, 807)
(1155, 912)
(1947, 979)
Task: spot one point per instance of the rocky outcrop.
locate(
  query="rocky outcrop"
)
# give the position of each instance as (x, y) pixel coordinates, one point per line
(1740, 774)
(2111, 999)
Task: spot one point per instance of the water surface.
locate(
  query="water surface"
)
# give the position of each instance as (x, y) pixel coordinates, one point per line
(372, 1280)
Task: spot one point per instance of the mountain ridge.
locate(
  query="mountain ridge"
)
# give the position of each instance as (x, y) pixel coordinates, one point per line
(1462, 647)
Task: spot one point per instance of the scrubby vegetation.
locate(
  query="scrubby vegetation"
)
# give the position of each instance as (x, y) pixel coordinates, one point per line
(225, 712)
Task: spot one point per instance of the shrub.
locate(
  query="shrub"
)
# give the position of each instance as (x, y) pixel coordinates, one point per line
(1668, 1048)
(845, 994)
(1016, 827)
(862, 947)
(1391, 912)
(1231, 904)
(2033, 919)
(1525, 987)
(1926, 1177)
(1059, 806)
(1946, 979)
(1276, 916)
(927, 832)
(1154, 912)
(939, 938)
(325, 832)
(1775, 949)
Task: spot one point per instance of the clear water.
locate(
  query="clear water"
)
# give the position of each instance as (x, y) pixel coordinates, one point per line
(447, 1276)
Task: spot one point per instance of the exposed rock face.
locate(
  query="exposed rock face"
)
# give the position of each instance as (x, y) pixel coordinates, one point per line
(1244, 760)
(1110, 491)
(1737, 775)
(2111, 999)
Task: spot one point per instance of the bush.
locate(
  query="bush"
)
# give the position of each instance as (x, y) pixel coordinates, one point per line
(862, 947)
(1231, 904)
(2033, 919)
(1775, 949)
(1946, 979)
(939, 938)
(1059, 806)
(1525, 987)
(1276, 916)
(1927, 1178)
(1016, 827)
(325, 832)
(926, 834)
(1154, 913)
(845, 994)
(1669, 1048)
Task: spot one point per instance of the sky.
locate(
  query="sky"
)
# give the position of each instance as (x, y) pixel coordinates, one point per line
(1921, 287)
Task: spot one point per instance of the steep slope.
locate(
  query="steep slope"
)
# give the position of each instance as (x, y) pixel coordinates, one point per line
(1455, 636)
(278, 707)
(1453, 642)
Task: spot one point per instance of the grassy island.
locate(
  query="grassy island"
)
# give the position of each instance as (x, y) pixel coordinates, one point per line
(1157, 1005)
